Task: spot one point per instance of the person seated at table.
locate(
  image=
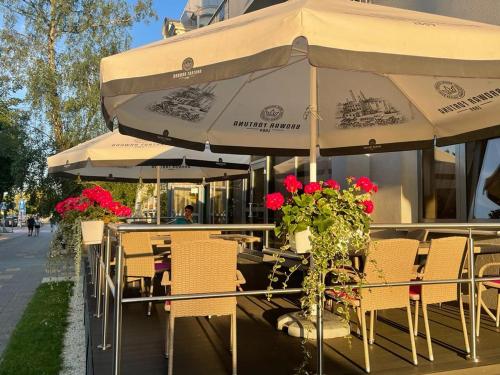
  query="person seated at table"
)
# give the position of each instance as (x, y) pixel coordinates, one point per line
(188, 216)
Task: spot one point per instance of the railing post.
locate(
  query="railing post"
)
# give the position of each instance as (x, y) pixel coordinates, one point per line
(319, 329)
(98, 312)
(472, 303)
(95, 266)
(107, 256)
(117, 331)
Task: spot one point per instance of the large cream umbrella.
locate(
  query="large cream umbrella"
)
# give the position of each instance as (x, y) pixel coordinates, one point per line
(116, 157)
(344, 76)
(335, 74)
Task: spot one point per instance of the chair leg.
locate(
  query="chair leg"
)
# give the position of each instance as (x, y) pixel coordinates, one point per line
(167, 332)
(372, 326)
(234, 345)
(415, 328)
(427, 332)
(412, 336)
(358, 314)
(150, 304)
(365, 340)
(464, 325)
(479, 302)
(498, 310)
(171, 345)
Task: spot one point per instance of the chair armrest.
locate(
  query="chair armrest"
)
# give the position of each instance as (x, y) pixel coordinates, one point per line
(486, 266)
(165, 280)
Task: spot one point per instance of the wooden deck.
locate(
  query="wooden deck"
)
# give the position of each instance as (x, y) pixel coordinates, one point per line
(201, 344)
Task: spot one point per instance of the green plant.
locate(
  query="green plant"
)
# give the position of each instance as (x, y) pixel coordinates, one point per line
(339, 222)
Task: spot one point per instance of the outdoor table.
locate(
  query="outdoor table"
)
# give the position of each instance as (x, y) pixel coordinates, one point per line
(242, 239)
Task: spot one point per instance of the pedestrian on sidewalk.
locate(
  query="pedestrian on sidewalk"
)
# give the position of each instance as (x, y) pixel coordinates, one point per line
(37, 225)
(52, 223)
(31, 225)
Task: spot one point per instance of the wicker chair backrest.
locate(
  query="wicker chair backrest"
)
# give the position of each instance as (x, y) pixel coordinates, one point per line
(445, 259)
(191, 235)
(388, 261)
(203, 267)
(138, 255)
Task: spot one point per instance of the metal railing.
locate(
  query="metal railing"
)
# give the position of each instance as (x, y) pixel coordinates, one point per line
(117, 288)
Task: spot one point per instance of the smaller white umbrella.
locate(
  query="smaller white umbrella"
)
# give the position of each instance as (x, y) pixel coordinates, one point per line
(116, 157)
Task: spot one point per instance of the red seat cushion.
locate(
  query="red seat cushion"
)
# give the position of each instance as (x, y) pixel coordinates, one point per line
(163, 266)
(415, 290)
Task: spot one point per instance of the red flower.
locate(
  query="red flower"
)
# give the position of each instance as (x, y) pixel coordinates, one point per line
(274, 201)
(332, 184)
(98, 195)
(368, 206)
(375, 188)
(292, 184)
(364, 183)
(311, 187)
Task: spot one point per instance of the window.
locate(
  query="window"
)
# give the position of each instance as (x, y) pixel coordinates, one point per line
(487, 196)
(443, 184)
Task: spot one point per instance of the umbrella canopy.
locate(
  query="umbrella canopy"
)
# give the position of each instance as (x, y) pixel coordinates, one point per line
(116, 157)
(344, 76)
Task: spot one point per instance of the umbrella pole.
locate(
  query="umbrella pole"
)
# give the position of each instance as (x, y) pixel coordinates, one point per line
(313, 138)
(313, 123)
(158, 207)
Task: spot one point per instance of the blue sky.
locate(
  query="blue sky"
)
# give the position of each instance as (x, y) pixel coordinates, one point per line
(146, 33)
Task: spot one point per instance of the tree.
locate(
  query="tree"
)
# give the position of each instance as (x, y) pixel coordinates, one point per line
(52, 48)
(12, 146)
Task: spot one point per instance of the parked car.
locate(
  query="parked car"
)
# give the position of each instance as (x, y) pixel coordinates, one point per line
(11, 221)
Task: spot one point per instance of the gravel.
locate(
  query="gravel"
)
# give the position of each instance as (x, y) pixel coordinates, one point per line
(74, 341)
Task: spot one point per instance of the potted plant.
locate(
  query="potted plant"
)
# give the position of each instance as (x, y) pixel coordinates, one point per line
(329, 225)
(83, 218)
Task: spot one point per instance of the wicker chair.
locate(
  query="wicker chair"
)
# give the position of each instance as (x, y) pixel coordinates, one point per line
(388, 260)
(203, 235)
(139, 261)
(481, 288)
(445, 261)
(202, 267)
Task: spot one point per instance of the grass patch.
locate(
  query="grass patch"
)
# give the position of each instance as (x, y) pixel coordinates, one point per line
(36, 344)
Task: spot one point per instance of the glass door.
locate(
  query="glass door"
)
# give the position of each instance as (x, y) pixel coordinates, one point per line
(182, 195)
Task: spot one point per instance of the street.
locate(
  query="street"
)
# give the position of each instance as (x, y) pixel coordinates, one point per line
(22, 267)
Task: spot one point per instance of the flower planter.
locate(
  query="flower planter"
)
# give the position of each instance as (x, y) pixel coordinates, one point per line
(92, 232)
(300, 242)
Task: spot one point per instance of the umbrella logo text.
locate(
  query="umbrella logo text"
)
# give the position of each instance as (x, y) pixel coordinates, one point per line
(449, 89)
(187, 64)
(272, 113)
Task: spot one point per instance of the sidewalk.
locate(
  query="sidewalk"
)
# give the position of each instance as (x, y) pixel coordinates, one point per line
(22, 267)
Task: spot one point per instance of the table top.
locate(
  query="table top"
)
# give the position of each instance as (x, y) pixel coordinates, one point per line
(237, 237)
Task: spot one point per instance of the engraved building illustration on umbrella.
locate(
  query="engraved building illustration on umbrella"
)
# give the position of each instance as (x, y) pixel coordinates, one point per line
(360, 112)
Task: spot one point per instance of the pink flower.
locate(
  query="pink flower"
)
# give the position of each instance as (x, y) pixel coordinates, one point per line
(364, 183)
(368, 206)
(292, 184)
(312, 187)
(274, 201)
(332, 184)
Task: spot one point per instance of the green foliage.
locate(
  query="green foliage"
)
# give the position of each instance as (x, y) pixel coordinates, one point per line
(12, 146)
(36, 345)
(53, 49)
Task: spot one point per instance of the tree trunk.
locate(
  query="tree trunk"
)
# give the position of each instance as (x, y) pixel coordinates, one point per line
(54, 101)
